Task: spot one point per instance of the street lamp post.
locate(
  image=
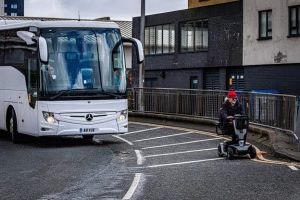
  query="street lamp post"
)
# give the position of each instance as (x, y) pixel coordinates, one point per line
(141, 66)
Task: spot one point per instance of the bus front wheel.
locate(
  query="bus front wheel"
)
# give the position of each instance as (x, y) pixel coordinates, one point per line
(13, 128)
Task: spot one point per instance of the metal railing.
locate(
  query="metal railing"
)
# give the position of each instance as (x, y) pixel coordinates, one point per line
(272, 110)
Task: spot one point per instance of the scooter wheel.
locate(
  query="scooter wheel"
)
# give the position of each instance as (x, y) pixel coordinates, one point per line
(219, 151)
(230, 153)
(252, 152)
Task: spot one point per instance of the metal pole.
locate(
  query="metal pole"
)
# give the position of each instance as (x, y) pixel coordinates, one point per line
(141, 67)
(297, 124)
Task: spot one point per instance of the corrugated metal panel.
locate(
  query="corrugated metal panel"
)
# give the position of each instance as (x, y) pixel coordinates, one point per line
(211, 79)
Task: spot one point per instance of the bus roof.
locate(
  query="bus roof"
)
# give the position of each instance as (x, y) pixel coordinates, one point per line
(57, 24)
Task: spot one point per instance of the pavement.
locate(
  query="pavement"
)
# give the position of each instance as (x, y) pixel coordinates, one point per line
(273, 143)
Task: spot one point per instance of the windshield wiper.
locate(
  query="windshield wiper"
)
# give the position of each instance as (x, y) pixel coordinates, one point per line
(60, 93)
(112, 94)
(95, 92)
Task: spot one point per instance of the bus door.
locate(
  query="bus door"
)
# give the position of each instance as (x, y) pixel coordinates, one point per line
(30, 108)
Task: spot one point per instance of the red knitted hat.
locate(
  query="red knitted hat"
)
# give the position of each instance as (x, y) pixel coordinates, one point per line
(231, 94)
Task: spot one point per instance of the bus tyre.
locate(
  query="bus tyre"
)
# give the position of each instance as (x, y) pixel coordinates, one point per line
(13, 128)
(88, 137)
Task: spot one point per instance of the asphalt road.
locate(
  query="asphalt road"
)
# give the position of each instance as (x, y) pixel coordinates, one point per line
(150, 162)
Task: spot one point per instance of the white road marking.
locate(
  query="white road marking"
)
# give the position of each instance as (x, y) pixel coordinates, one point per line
(155, 138)
(181, 152)
(180, 128)
(133, 186)
(144, 130)
(184, 163)
(139, 157)
(130, 143)
(168, 145)
(293, 168)
(260, 159)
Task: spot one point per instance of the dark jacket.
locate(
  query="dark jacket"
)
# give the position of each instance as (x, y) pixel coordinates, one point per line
(228, 110)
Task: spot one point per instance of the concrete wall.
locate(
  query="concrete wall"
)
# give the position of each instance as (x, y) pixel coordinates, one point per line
(1, 7)
(278, 50)
(201, 3)
(128, 55)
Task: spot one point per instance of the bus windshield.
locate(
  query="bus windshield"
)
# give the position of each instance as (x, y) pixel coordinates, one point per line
(83, 60)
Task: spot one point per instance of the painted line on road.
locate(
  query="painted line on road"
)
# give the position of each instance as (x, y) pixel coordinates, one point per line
(144, 130)
(181, 152)
(182, 143)
(179, 128)
(293, 168)
(139, 158)
(133, 186)
(260, 158)
(184, 163)
(167, 136)
(130, 143)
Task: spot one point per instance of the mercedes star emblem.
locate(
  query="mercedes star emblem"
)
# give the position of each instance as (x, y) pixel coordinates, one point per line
(89, 117)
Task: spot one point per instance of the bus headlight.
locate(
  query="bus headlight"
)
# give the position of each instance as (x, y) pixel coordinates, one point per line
(123, 115)
(49, 117)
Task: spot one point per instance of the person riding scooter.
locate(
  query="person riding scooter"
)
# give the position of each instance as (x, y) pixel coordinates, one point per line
(230, 107)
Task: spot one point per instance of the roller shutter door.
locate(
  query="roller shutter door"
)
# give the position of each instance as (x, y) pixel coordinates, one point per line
(211, 79)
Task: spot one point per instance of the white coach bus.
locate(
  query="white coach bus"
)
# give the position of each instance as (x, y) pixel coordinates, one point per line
(63, 78)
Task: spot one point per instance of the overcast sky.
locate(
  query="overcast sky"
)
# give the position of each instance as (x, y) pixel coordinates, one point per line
(90, 9)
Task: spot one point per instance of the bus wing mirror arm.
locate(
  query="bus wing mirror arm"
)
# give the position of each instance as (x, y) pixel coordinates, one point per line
(30, 38)
(138, 48)
(27, 36)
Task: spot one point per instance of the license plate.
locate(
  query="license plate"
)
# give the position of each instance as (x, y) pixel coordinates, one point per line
(87, 130)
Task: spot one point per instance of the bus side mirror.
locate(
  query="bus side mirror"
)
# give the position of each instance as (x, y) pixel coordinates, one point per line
(138, 48)
(43, 50)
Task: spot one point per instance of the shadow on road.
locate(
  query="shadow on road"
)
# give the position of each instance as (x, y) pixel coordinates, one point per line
(58, 142)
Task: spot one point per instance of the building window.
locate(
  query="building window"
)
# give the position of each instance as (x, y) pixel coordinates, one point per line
(14, 6)
(160, 39)
(294, 21)
(13, 14)
(5, 5)
(265, 24)
(194, 36)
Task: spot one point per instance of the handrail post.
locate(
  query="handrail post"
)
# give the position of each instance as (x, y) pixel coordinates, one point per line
(297, 123)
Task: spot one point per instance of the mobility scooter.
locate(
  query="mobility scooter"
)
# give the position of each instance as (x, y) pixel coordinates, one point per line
(237, 125)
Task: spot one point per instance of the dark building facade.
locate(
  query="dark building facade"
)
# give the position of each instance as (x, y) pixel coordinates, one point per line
(242, 45)
(198, 48)
(14, 7)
